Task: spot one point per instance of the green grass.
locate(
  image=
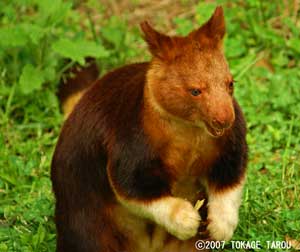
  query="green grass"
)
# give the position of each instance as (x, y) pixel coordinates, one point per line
(263, 49)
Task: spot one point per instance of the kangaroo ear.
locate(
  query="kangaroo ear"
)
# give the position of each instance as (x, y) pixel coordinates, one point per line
(213, 31)
(159, 44)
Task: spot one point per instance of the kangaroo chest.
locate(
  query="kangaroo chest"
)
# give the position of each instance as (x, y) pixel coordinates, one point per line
(190, 157)
(190, 154)
(187, 152)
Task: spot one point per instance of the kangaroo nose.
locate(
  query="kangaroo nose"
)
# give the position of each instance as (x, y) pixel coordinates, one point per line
(221, 123)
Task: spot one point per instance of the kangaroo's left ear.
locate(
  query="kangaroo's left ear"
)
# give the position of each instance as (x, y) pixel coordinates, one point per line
(213, 31)
(160, 45)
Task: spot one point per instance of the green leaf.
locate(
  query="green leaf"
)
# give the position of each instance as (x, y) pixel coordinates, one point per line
(53, 12)
(19, 35)
(31, 79)
(235, 47)
(114, 31)
(33, 31)
(49, 73)
(204, 11)
(48, 7)
(79, 50)
(3, 247)
(39, 237)
(12, 36)
(184, 26)
(294, 43)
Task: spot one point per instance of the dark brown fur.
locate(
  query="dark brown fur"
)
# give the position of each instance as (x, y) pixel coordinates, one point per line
(115, 141)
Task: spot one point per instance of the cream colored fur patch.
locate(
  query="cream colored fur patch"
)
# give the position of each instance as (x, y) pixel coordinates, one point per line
(70, 103)
(223, 208)
(176, 215)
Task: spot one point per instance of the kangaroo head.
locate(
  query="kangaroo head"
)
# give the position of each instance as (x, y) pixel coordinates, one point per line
(189, 78)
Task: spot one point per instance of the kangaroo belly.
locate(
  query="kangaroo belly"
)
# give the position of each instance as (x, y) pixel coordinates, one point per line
(143, 235)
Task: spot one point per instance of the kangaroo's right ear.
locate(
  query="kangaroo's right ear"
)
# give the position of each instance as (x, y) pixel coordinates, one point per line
(213, 31)
(160, 45)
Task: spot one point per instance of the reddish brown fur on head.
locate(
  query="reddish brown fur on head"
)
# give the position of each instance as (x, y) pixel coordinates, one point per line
(189, 78)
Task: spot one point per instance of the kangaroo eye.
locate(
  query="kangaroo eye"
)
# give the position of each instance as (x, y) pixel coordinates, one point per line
(231, 84)
(195, 92)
